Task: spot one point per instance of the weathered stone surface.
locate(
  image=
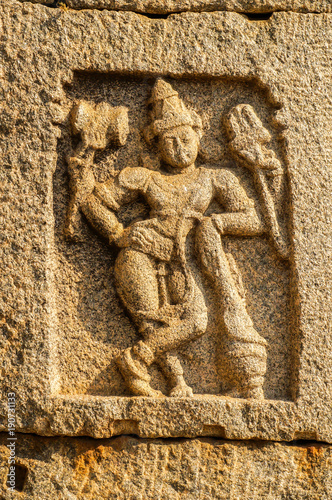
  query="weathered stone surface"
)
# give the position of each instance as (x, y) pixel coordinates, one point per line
(44, 2)
(170, 6)
(77, 356)
(125, 467)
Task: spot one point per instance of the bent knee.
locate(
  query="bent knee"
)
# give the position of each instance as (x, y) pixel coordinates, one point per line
(131, 262)
(135, 280)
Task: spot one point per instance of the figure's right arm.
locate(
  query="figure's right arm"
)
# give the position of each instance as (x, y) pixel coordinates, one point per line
(100, 206)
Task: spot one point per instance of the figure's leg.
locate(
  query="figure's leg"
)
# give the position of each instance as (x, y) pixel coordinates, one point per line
(137, 286)
(171, 366)
(167, 338)
(244, 348)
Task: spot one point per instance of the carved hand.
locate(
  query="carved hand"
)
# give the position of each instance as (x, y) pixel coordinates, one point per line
(255, 155)
(98, 125)
(146, 237)
(139, 233)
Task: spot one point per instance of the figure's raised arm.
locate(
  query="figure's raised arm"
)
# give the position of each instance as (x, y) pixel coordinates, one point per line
(100, 206)
(97, 126)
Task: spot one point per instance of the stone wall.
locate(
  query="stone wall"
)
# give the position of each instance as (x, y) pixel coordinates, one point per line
(165, 303)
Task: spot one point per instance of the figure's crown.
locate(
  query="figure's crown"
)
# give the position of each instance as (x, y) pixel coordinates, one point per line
(169, 111)
(162, 90)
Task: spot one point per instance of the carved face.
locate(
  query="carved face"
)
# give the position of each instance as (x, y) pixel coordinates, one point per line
(179, 146)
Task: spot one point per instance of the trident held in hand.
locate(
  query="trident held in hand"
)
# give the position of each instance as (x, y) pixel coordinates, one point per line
(248, 139)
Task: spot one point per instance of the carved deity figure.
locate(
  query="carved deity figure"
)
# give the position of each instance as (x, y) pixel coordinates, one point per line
(153, 278)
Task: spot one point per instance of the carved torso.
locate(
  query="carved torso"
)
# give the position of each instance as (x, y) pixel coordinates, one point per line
(176, 201)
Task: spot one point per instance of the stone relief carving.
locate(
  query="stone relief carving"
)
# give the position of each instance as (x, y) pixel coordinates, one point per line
(97, 126)
(153, 275)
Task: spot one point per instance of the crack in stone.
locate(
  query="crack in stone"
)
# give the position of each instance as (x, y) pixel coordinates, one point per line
(302, 443)
(251, 15)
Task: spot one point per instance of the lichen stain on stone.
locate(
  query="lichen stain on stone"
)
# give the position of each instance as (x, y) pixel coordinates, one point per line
(88, 460)
(312, 463)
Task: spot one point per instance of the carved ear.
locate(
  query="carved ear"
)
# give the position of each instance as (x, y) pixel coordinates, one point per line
(197, 123)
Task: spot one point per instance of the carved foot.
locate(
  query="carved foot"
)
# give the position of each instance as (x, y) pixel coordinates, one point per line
(133, 363)
(142, 388)
(181, 390)
(254, 393)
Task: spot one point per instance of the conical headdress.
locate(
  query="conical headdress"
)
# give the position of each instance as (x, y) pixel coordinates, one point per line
(169, 111)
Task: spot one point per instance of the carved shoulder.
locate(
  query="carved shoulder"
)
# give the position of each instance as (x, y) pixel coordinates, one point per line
(229, 191)
(124, 188)
(225, 177)
(134, 178)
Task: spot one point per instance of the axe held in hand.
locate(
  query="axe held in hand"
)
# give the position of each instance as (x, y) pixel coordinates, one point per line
(247, 143)
(98, 126)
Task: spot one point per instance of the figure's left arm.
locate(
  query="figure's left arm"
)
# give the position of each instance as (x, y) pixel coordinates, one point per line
(241, 217)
